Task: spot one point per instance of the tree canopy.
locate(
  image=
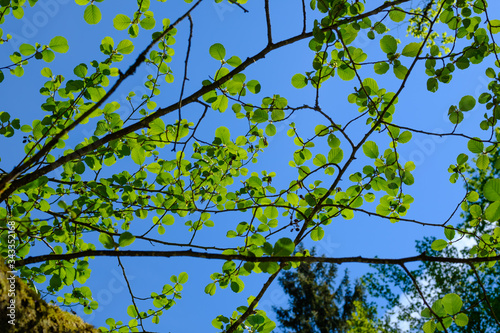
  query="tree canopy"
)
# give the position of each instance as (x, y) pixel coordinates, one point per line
(247, 132)
(316, 304)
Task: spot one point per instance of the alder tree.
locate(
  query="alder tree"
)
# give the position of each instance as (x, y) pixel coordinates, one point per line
(155, 173)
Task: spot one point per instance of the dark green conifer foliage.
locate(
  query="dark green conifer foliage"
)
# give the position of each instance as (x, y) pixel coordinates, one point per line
(317, 303)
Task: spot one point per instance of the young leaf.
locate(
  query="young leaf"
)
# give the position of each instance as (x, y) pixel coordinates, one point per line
(388, 44)
(317, 234)
(138, 155)
(183, 278)
(492, 212)
(59, 44)
(335, 155)
(126, 239)
(92, 14)
(452, 303)
(223, 134)
(125, 47)
(491, 189)
(411, 50)
(107, 241)
(370, 149)
(475, 146)
(121, 22)
(439, 244)
(299, 81)
(132, 311)
(467, 103)
(217, 51)
(283, 247)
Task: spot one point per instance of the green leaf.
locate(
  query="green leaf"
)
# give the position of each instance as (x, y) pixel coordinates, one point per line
(299, 81)
(335, 155)
(317, 234)
(449, 232)
(491, 189)
(452, 303)
(432, 84)
(283, 247)
(223, 134)
(132, 311)
(254, 182)
(183, 278)
(439, 244)
(482, 162)
(27, 49)
(411, 50)
(126, 239)
(400, 71)
(106, 240)
(321, 130)
(92, 14)
(237, 285)
(396, 15)
(467, 103)
(461, 319)
(270, 129)
(210, 289)
(217, 51)
(405, 137)
(59, 44)
(475, 211)
(370, 149)
(474, 146)
(80, 70)
(148, 23)
(494, 26)
(429, 326)
(346, 73)
(234, 61)
(271, 212)
(492, 212)
(381, 68)
(121, 22)
(125, 47)
(138, 155)
(253, 86)
(388, 44)
(260, 116)
(490, 72)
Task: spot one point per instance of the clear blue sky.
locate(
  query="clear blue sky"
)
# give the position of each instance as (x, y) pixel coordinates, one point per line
(243, 35)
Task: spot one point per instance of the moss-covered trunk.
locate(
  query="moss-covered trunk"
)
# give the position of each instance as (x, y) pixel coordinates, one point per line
(22, 310)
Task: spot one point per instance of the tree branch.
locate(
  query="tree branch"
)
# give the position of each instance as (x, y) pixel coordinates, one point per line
(207, 255)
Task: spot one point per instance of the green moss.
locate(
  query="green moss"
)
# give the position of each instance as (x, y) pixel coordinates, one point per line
(33, 314)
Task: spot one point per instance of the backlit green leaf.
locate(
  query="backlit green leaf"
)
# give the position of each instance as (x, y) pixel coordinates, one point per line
(439, 244)
(121, 22)
(126, 239)
(223, 134)
(452, 303)
(217, 51)
(491, 189)
(411, 50)
(92, 14)
(299, 81)
(388, 44)
(59, 44)
(370, 149)
(467, 103)
(283, 247)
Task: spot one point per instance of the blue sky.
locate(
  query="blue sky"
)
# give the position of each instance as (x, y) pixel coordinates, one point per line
(243, 35)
